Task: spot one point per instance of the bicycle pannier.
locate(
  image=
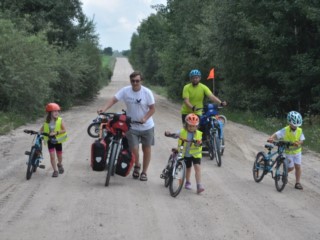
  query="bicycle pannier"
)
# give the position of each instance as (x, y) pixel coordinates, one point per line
(125, 162)
(98, 155)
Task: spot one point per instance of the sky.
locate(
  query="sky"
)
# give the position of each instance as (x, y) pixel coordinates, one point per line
(117, 20)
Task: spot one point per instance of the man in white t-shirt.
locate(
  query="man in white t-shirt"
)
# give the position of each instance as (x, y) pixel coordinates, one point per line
(140, 105)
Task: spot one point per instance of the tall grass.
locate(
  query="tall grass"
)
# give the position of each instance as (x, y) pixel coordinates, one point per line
(269, 125)
(310, 127)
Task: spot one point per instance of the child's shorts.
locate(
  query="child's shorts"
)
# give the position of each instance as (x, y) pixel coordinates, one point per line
(294, 159)
(191, 160)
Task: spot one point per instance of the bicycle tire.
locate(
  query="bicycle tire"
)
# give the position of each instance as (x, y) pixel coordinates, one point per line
(216, 150)
(168, 173)
(281, 175)
(223, 119)
(210, 146)
(258, 169)
(111, 161)
(221, 141)
(93, 130)
(30, 164)
(177, 181)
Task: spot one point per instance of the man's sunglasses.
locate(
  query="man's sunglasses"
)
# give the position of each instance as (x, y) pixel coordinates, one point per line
(135, 81)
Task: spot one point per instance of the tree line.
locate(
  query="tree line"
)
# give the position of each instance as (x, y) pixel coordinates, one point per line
(265, 53)
(48, 53)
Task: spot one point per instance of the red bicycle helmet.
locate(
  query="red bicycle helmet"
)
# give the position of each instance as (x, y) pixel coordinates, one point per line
(192, 119)
(52, 107)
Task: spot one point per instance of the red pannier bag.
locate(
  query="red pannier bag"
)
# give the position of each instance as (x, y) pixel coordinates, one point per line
(98, 155)
(125, 162)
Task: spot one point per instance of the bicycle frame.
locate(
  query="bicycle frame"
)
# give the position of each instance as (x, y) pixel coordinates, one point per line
(269, 158)
(35, 154)
(264, 163)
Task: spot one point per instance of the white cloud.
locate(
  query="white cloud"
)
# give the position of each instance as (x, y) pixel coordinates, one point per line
(117, 20)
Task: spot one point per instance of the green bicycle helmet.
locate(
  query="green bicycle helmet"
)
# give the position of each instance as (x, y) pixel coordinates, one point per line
(294, 118)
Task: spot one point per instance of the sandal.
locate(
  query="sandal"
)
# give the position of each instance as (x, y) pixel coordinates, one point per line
(298, 186)
(143, 177)
(136, 172)
(60, 168)
(55, 174)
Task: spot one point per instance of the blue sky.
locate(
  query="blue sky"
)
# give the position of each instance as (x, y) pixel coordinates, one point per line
(117, 20)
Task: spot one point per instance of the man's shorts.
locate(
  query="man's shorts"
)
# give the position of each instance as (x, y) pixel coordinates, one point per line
(145, 137)
(294, 159)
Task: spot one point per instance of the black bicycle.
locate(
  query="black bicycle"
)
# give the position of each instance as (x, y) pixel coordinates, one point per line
(117, 126)
(175, 171)
(94, 127)
(264, 164)
(35, 154)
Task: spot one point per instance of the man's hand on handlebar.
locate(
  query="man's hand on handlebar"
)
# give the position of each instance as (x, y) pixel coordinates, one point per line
(223, 103)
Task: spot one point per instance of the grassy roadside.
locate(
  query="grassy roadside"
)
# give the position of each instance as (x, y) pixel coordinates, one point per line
(311, 125)
(10, 121)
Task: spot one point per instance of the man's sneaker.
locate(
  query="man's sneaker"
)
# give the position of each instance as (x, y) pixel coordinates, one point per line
(188, 186)
(200, 188)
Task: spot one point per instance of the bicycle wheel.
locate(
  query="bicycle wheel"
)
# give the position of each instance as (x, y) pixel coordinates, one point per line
(30, 165)
(111, 162)
(221, 141)
(168, 172)
(177, 179)
(281, 175)
(223, 119)
(93, 130)
(210, 146)
(216, 149)
(258, 169)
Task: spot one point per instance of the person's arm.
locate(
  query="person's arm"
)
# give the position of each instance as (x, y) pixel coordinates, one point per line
(215, 99)
(151, 111)
(63, 129)
(272, 138)
(187, 102)
(108, 105)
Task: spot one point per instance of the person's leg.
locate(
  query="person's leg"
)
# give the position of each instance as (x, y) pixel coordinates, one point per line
(297, 172)
(197, 170)
(133, 141)
(58, 148)
(52, 159)
(188, 172)
(147, 140)
(146, 158)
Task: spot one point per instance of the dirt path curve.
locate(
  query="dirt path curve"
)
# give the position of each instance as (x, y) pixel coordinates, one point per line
(77, 205)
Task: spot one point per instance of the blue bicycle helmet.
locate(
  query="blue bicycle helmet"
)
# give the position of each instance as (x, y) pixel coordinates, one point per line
(294, 118)
(194, 72)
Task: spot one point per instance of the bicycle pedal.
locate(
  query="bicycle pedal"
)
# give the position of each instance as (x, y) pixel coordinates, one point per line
(42, 166)
(27, 153)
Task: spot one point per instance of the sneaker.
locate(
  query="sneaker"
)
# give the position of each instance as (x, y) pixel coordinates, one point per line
(200, 188)
(188, 186)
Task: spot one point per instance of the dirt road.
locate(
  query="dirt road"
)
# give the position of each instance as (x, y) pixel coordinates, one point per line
(77, 205)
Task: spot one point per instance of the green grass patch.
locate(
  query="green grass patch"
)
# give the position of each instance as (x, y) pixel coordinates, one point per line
(311, 125)
(10, 121)
(158, 90)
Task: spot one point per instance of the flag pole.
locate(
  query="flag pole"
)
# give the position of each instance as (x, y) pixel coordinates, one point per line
(211, 76)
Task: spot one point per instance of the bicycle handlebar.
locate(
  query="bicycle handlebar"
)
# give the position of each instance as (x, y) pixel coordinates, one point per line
(32, 132)
(173, 135)
(282, 143)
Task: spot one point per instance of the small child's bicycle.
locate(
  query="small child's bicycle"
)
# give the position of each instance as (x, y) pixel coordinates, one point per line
(35, 154)
(94, 127)
(175, 172)
(264, 164)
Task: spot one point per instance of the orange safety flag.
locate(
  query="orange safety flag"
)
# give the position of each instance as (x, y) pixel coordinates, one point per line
(211, 74)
